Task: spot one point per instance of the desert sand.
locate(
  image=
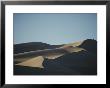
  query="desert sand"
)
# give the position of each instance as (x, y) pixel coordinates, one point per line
(38, 60)
(34, 62)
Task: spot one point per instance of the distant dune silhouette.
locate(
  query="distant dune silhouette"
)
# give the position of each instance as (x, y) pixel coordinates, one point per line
(67, 59)
(32, 46)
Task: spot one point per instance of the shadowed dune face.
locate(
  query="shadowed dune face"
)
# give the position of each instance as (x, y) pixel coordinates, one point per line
(32, 46)
(83, 63)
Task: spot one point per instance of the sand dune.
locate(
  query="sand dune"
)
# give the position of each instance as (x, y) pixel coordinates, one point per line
(34, 62)
(36, 59)
(79, 58)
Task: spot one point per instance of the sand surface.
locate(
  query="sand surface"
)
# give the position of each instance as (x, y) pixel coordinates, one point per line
(38, 60)
(34, 62)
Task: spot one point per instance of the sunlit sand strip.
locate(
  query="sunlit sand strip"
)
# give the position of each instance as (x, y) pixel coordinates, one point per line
(34, 62)
(74, 49)
(53, 56)
(74, 44)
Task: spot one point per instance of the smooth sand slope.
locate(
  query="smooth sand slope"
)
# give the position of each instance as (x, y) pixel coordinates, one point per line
(74, 44)
(34, 62)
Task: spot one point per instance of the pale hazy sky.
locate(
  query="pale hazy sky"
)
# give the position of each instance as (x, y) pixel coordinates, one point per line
(56, 28)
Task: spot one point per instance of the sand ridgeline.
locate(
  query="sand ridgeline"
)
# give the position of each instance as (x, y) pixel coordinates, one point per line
(74, 44)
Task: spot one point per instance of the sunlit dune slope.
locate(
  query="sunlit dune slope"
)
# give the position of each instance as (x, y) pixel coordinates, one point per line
(34, 62)
(74, 44)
